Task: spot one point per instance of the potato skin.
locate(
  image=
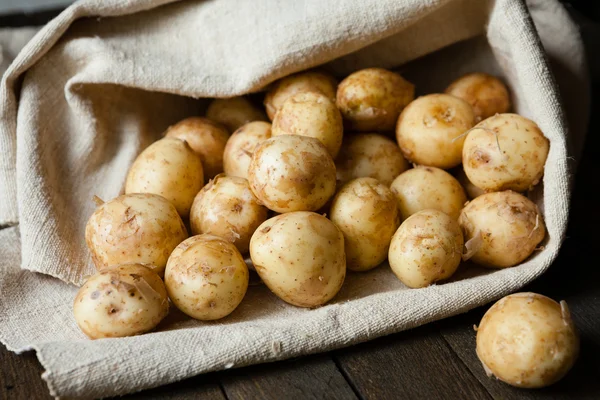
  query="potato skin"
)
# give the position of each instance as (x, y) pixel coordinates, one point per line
(310, 81)
(509, 224)
(300, 257)
(426, 248)
(170, 168)
(371, 99)
(122, 300)
(226, 207)
(311, 114)
(485, 93)
(206, 277)
(505, 152)
(138, 228)
(206, 138)
(369, 155)
(423, 188)
(471, 190)
(527, 340)
(240, 146)
(366, 212)
(234, 112)
(292, 173)
(429, 130)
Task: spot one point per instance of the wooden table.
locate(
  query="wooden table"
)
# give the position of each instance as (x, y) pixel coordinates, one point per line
(436, 361)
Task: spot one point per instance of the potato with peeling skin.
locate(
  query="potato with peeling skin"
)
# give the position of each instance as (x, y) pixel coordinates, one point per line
(429, 130)
(310, 81)
(170, 168)
(234, 112)
(371, 99)
(206, 138)
(366, 212)
(424, 188)
(369, 155)
(311, 114)
(206, 277)
(134, 228)
(501, 229)
(471, 190)
(119, 301)
(485, 93)
(505, 152)
(241, 145)
(527, 340)
(427, 248)
(292, 173)
(226, 207)
(300, 257)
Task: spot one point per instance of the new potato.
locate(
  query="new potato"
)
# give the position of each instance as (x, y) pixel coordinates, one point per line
(234, 112)
(471, 190)
(485, 93)
(300, 257)
(240, 147)
(122, 300)
(170, 168)
(206, 277)
(134, 228)
(365, 211)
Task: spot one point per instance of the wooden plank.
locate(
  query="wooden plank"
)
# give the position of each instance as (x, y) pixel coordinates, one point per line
(205, 387)
(20, 376)
(409, 365)
(315, 377)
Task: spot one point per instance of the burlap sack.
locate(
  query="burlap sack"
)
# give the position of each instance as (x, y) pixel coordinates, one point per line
(105, 78)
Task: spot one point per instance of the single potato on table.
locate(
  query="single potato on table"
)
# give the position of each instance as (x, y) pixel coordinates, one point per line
(423, 188)
(292, 173)
(501, 229)
(485, 93)
(505, 152)
(206, 138)
(430, 130)
(241, 145)
(122, 300)
(300, 257)
(366, 212)
(527, 340)
(139, 228)
(234, 112)
(226, 207)
(311, 114)
(206, 277)
(371, 99)
(170, 168)
(426, 248)
(369, 155)
(310, 81)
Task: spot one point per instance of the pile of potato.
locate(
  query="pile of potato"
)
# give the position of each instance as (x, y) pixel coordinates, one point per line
(344, 177)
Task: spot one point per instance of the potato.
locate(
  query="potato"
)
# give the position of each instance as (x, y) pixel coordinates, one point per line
(423, 188)
(471, 190)
(501, 229)
(170, 168)
(122, 300)
(310, 81)
(485, 93)
(206, 138)
(366, 212)
(311, 114)
(292, 173)
(505, 152)
(241, 145)
(426, 248)
(138, 228)
(527, 340)
(226, 207)
(430, 129)
(369, 155)
(371, 99)
(300, 257)
(234, 112)
(206, 277)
